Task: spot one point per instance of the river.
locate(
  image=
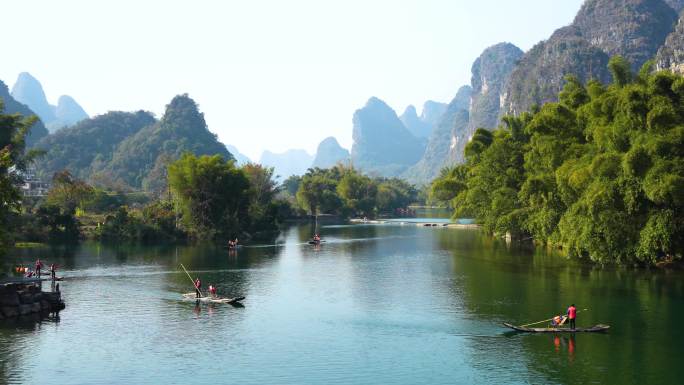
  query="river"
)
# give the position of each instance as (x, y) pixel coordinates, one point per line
(375, 304)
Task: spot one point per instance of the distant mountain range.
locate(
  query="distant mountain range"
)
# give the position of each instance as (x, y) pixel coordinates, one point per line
(382, 144)
(131, 149)
(241, 159)
(29, 91)
(330, 153)
(440, 145)
(422, 126)
(408, 155)
(288, 163)
(507, 81)
(38, 130)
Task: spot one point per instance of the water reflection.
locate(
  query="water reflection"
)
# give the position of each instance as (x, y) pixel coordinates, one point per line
(564, 343)
(374, 304)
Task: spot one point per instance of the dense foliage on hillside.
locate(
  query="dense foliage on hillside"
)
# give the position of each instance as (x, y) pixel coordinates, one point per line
(600, 173)
(181, 129)
(87, 148)
(127, 151)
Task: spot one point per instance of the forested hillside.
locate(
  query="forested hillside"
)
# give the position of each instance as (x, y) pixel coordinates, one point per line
(129, 150)
(140, 161)
(599, 173)
(87, 148)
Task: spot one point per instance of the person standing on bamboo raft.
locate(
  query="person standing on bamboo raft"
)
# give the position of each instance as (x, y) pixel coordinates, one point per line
(39, 265)
(53, 271)
(572, 315)
(198, 286)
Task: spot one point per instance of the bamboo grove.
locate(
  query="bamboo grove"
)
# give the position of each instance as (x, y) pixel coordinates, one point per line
(599, 174)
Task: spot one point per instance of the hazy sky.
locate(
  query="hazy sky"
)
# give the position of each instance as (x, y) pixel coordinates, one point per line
(267, 74)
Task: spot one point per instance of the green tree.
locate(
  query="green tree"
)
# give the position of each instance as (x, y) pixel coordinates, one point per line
(264, 211)
(160, 216)
(291, 184)
(62, 225)
(13, 160)
(211, 194)
(450, 183)
(69, 193)
(394, 194)
(621, 71)
(317, 193)
(358, 193)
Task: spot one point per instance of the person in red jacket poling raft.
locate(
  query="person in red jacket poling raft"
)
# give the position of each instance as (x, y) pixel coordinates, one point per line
(572, 315)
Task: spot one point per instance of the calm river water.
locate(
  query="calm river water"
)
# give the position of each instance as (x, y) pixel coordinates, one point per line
(376, 304)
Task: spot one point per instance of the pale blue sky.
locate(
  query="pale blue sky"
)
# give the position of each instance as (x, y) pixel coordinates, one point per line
(267, 74)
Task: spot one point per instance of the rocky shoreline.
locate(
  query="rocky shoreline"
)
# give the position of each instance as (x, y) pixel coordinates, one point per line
(21, 299)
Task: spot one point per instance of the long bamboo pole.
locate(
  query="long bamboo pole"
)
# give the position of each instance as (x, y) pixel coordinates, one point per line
(547, 320)
(192, 280)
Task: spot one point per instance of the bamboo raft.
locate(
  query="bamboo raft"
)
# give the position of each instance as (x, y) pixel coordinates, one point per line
(594, 329)
(209, 299)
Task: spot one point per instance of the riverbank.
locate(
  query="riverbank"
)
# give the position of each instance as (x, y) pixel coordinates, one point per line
(428, 222)
(25, 297)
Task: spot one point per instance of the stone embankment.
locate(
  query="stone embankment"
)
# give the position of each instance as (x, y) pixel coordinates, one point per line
(20, 299)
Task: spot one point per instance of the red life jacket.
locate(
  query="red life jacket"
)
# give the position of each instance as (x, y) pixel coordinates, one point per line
(572, 312)
(198, 284)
